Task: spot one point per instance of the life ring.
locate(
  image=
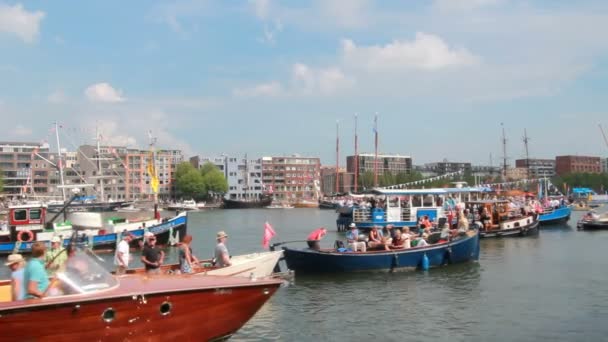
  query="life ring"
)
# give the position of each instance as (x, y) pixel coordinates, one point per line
(30, 236)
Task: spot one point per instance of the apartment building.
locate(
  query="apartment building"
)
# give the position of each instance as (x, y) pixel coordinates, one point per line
(292, 177)
(573, 164)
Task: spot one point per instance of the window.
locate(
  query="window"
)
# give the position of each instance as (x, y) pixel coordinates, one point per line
(35, 214)
(20, 215)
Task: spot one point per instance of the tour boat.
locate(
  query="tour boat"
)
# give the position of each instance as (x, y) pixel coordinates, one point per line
(404, 207)
(89, 304)
(461, 249)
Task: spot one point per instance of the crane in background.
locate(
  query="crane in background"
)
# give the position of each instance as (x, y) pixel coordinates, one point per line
(603, 134)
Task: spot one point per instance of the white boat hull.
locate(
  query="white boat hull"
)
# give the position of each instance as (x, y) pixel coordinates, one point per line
(250, 265)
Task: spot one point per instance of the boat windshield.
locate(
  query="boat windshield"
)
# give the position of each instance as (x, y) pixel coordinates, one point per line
(83, 274)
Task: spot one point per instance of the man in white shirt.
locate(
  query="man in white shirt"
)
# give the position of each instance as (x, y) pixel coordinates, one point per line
(121, 258)
(353, 239)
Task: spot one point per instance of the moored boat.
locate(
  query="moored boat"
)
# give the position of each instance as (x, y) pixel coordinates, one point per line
(459, 250)
(27, 225)
(306, 204)
(136, 307)
(260, 202)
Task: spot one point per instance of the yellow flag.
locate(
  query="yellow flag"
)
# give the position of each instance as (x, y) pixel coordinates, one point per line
(154, 183)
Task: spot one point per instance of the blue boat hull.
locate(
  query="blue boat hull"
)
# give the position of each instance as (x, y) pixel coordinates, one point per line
(558, 215)
(163, 231)
(312, 261)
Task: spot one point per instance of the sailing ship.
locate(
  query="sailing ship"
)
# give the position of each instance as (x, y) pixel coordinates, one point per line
(135, 307)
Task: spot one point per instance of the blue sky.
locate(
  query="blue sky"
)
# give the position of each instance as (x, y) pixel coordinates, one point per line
(265, 77)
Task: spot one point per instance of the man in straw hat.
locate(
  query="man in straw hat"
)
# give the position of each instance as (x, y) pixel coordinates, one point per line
(15, 264)
(222, 257)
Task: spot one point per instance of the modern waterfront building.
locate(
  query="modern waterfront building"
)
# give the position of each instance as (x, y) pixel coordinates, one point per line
(574, 164)
(538, 168)
(244, 176)
(292, 177)
(391, 163)
(444, 167)
(23, 169)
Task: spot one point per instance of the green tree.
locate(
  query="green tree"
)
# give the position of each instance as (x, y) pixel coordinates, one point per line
(366, 180)
(213, 179)
(182, 169)
(191, 184)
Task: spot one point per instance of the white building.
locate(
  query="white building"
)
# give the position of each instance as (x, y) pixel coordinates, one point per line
(244, 176)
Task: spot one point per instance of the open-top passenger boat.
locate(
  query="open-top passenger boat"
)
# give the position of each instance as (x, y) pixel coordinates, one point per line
(593, 221)
(461, 249)
(92, 305)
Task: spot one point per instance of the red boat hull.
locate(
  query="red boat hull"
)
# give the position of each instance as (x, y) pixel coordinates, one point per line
(195, 314)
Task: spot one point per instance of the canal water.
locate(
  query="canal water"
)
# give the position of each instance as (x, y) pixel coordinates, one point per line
(553, 287)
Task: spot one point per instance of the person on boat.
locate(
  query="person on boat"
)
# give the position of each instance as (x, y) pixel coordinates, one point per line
(375, 240)
(425, 222)
(463, 224)
(152, 257)
(15, 263)
(353, 239)
(55, 257)
(222, 257)
(35, 277)
(187, 260)
(314, 238)
(485, 218)
(406, 236)
(398, 242)
(122, 257)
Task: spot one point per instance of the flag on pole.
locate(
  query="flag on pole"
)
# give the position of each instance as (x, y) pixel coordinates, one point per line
(268, 234)
(154, 181)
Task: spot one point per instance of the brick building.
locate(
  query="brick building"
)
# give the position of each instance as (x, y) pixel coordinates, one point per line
(575, 164)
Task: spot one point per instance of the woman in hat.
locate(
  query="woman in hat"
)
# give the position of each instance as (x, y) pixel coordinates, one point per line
(15, 263)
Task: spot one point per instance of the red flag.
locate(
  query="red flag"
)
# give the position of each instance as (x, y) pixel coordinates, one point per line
(268, 234)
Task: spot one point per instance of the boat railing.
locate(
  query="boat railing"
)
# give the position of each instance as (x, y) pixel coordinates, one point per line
(362, 215)
(406, 214)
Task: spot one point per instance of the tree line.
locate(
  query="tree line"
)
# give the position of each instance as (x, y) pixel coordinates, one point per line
(199, 184)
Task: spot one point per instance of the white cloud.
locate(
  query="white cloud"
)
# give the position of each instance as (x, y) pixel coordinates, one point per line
(17, 20)
(346, 13)
(22, 131)
(261, 8)
(426, 52)
(103, 92)
(58, 96)
(269, 89)
(448, 5)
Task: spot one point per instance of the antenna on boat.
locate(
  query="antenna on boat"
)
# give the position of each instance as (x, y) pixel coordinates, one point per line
(526, 139)
(356, 156)
(337, 155)
(504, 153)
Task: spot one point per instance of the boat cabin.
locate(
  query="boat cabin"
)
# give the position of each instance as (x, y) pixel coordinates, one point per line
(25, 221)
(403, 208)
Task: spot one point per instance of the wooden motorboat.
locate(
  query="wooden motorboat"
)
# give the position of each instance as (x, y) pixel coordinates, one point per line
(306, 204)
(93, 305)
(593, 221)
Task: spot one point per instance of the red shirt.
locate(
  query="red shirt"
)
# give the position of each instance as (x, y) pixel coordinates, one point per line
(317, 234)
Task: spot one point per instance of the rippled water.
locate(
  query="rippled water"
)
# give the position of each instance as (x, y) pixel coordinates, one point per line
(553, 287)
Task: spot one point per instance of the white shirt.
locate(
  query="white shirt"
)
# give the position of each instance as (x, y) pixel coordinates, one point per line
(123, 247)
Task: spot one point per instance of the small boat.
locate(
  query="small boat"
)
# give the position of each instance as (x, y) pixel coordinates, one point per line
(27, 225)
(280, 206)
(503, 222)
(261, 202)
(555, 215)
(593, 221)
(136, 307)
(185, 205)
(307, 260)
(324, 204)
(247, 265)
(306, 204)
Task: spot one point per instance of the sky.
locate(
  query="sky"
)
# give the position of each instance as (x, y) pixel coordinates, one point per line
(265, 77)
